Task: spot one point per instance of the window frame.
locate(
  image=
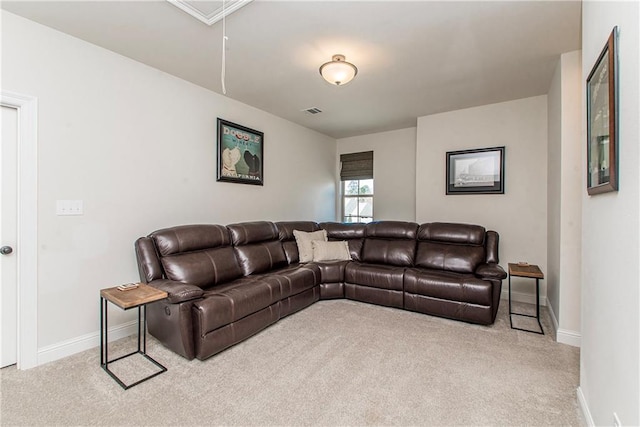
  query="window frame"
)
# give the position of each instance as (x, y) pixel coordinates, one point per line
(344, 197)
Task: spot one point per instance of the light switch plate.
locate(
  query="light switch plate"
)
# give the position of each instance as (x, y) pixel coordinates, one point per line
(69, 207)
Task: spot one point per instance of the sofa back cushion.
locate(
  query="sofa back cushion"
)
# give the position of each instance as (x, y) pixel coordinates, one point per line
(187, 238)
(200, 255)
(285, 232)
(390, 242)
(203, 268)
(447, 232)
(451, 247)
(352, 233)
(244, 233)
(257, 246)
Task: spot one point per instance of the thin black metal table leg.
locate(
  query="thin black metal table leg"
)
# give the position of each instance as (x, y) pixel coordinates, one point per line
(101, 332)
(104, 331)
(538, 305)
(510, 312)
(144, 329)
(139, 337)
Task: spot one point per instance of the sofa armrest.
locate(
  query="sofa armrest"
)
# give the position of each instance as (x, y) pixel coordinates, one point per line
(490, 271)
(177, 291)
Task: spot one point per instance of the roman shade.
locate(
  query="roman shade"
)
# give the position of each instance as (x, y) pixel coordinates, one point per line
(356, 166)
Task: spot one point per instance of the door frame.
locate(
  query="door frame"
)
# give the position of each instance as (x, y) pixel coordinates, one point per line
(27, 233)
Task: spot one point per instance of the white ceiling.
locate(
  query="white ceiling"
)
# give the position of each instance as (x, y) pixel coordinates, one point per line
(414, 58)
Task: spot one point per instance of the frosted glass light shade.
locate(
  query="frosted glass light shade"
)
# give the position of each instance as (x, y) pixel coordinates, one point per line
(338, 72)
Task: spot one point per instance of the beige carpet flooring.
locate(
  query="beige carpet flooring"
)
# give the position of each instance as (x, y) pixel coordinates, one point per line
(334, 363)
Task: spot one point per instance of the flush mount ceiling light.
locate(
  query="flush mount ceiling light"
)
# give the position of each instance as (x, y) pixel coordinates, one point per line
(338, 72)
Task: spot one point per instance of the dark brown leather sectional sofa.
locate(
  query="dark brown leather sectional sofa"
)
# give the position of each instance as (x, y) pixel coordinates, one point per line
(226, 283)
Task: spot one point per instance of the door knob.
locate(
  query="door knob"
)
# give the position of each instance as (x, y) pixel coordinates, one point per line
(6, 250)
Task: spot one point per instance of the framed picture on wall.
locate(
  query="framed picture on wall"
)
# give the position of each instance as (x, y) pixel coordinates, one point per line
(602, 123)
(240, 154)
(479, 171)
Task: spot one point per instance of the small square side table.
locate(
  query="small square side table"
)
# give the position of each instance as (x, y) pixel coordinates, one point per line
(134, 298)
(530, 271)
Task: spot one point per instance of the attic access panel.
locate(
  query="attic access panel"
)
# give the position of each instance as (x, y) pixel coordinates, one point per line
(209, 12)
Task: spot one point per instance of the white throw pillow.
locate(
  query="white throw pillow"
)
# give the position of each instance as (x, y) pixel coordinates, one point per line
(304, 239)
(330, 251)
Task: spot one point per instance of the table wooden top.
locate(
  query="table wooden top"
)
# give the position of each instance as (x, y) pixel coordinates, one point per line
(143, 294)
(529, 270)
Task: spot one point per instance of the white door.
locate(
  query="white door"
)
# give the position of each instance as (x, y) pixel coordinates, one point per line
(8, 237)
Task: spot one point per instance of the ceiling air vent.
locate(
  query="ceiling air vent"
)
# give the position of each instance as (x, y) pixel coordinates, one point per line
(312, 110)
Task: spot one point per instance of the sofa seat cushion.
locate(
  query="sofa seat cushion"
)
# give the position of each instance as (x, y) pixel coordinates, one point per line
(292, 279)
(447, 285)
(375, 275)
(233, 301)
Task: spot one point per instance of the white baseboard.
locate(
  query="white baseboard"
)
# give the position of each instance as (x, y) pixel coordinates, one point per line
(586, 413)
(84, 342)
(523, 297)
(564, 336)
(568, 337)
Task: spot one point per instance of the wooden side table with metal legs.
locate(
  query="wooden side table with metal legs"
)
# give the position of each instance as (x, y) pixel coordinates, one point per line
(529, 271)
(134, 298)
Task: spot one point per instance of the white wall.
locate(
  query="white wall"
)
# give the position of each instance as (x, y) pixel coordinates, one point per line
(394, 172)
(610, 354)
(138, 147)
(564, 197)
(519, 215)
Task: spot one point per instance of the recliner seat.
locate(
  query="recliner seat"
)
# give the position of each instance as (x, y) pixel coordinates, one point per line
(388, 249)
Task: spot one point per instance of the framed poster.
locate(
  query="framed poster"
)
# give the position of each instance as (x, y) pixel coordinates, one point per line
(479, 171)
(602, 135)
(240, 154)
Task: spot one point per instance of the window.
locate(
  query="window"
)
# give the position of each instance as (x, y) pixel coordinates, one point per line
(356, 175)
(357, 200)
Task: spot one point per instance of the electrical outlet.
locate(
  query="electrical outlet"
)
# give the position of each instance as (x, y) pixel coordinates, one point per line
(616, 420)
